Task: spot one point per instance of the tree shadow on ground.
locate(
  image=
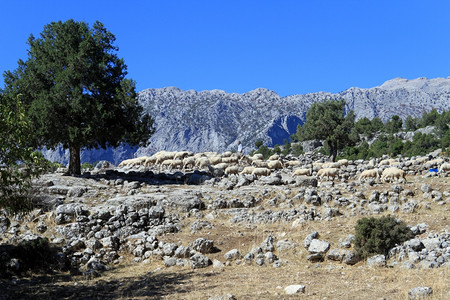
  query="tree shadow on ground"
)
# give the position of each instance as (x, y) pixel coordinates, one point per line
(63, 286)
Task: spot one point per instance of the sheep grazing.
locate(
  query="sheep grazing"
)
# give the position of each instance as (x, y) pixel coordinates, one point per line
(215, 160)
(257, 156)
(302, 172)
(230, 159)
(274, 157)
(329, 172)
(334, 165)
(133, 161)
(221, 166)
(444, 167)
(274, 165)
(181, 155)
(343, 162)
(259, 163)
(294, 163)
(391, 173)
(232, 170)
(434, 162)
(176, 163)
(261, 172)
(227, 154)
(372, 173)
(248, 170)
(384, 162)
(245, 160)
(203, 163)
(189, 161)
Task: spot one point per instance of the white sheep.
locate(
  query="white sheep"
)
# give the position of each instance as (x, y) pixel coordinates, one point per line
(248, 170)
(245, 160)
(261, 172)
(258, 156)
(232, 170)
(391, 173)
(274, 157)
(230, 159)
(176, 163)
(274, 165)
(181, 155)
(221, 166)
(189, 161)
(214, 160)
(259, 163)
(203, 163)
(372, 173)
(334, 165)
(294, 163)
(329, 172)
(302, 172)
(227, 154)
(167, 164)
(384, 162)
(444, 167)
(434, 162)
(343, 162)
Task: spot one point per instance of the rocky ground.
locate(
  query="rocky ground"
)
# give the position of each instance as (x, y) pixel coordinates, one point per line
(138, 233)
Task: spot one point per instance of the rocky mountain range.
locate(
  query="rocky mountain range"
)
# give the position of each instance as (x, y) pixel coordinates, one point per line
(215, 120)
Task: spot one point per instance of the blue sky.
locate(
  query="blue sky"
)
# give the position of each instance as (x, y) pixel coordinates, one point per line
(290, 47)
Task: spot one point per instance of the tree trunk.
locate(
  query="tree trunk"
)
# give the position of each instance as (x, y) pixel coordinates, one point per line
(74, 162)
(333, 151)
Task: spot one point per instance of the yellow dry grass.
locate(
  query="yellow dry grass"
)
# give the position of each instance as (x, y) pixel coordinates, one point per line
(325, 280)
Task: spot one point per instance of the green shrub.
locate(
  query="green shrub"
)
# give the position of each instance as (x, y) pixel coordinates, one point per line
(35, 254)
(87, 165)
(377, 236)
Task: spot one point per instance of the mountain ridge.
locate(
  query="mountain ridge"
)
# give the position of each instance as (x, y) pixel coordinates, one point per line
(214, 120)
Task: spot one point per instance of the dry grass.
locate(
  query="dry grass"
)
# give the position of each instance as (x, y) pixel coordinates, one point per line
(326, 280)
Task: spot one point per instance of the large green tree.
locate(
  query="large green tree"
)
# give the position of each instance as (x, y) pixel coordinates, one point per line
(77, 94)
(327, 121)
(18, 162)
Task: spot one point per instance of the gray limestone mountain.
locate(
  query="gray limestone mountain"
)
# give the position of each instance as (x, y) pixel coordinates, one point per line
(215, 120)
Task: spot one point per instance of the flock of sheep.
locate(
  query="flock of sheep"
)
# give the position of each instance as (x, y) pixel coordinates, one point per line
(236, 163)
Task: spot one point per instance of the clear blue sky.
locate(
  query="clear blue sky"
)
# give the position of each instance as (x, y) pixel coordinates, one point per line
(290, 47)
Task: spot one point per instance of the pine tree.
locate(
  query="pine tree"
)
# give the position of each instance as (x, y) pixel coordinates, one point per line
(75, 87)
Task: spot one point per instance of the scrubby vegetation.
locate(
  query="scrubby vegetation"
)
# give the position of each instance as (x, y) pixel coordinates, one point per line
(377, 236)
(389, 142)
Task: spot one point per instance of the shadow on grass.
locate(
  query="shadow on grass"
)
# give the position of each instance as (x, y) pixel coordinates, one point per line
(62, 286)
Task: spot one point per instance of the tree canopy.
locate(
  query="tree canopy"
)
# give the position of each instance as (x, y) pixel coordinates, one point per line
(327, 121)
(75, 88)
(18, 161)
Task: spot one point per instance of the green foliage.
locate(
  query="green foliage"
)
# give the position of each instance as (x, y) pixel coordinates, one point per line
(326, 121)
(411, 123)
(394, 125)
(265, 151)
(297, 150)
(286, 148)
(377, 236)
(75, 87)
(19, 163)
(87, 165)
(429, 118)
(258, 144)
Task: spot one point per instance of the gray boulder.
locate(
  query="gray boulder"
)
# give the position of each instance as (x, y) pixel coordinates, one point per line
(202, 245)
(199, 261)
(233, 255)
(420, 292)
(318, 246)
(377, 261)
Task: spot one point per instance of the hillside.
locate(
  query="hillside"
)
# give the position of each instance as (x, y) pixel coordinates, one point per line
(215, 120)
